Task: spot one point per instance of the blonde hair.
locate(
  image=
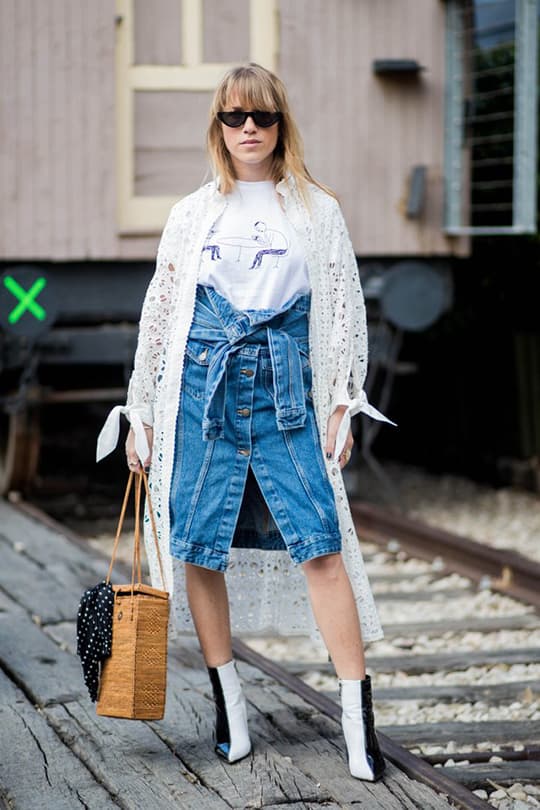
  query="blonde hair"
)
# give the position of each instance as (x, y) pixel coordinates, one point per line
(258, 89)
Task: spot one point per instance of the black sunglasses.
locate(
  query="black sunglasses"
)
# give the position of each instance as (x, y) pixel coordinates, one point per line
(238, 118)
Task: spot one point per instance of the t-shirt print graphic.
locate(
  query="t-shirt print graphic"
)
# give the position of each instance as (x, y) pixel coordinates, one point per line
(263, 241)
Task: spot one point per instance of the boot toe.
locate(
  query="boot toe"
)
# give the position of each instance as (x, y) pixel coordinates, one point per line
(224, 750)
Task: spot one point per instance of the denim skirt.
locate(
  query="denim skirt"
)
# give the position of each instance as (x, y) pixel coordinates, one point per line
(248, 465)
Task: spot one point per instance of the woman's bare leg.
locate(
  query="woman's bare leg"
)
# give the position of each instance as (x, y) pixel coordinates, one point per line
(334, 608)
(209, 605)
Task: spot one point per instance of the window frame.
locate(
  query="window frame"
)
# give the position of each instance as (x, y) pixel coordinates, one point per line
(143, 215)
(456, 185)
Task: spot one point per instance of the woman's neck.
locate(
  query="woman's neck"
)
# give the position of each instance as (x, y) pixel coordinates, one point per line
(253, 173)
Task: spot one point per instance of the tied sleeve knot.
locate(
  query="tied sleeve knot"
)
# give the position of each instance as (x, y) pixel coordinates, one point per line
(225, 331)
(108, 437)
(359, 404)
(288, 386)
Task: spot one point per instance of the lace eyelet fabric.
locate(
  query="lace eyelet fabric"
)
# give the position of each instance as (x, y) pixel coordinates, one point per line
(267, 592)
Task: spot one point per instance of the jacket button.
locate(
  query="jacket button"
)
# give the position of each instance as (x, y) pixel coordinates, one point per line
(247, 371)
(243, 411)
(243, 452)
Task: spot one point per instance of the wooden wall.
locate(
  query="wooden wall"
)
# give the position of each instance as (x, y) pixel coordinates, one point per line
(57, 175)
(363, 134)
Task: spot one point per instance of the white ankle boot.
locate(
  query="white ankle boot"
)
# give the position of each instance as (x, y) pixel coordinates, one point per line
(365, 758)
(232, 737)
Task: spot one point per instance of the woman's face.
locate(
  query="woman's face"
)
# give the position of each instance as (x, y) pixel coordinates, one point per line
(251, 147)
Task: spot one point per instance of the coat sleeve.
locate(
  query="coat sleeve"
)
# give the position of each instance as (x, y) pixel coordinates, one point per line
(349, 338)
(349, 342)
(151, 344)
(154, 322)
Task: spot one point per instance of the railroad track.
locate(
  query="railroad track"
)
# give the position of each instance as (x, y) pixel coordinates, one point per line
(457, 678)
(433, 617)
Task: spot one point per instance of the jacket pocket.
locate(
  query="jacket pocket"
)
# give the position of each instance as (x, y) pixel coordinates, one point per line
(196, 368)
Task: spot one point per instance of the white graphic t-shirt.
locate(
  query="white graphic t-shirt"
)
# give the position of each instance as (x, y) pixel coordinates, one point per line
(252, 256)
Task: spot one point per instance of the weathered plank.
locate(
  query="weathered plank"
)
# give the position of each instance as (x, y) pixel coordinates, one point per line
(32, 659)
(5, 603)
(64, 634)
(424, 577)
(418, 664)
(496, 694)
(406, 761)
(271, 773)
(130, 760)
(56, 566)
(282, 721)
(33, 586)
(479, 624)
(436, 595)
(505, 731)
(47, 545)
(311, 739)
(36, 769)
(503, 773)
(303, 806)
(265, 777)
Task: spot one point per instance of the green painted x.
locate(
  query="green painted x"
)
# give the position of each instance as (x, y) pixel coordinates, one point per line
(26, 299)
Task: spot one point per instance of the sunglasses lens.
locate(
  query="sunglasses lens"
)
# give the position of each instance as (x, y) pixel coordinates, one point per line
(266, 119)
(232, 119)
(237, 118)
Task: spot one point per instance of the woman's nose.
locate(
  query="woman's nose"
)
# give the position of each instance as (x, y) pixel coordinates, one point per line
(249, 124)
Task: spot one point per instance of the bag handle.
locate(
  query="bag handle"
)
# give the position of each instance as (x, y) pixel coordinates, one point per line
(136, 560)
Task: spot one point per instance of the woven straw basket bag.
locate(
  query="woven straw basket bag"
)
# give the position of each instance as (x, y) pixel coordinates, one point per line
(134, 678)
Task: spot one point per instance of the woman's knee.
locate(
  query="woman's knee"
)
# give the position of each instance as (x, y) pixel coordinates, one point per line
(201, 574)
(327, 568)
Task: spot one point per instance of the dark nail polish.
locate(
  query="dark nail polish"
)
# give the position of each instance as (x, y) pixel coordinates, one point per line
(328, 455)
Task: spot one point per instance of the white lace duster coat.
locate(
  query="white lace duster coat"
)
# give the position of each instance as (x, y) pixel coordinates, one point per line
(267, 591)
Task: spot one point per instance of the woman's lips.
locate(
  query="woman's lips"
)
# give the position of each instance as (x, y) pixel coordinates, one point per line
(249, 143)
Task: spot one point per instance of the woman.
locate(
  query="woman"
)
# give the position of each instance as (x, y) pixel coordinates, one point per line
(250, 362)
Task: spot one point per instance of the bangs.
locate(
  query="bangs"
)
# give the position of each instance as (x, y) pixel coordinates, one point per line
(250, 93)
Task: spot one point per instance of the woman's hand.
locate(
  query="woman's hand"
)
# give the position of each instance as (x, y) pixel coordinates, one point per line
(333, 424)
(133, 461)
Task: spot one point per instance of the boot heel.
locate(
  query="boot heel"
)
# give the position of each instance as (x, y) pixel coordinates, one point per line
(365, 758)
(232, 736)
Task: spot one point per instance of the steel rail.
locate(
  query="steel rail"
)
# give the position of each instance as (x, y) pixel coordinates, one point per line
(505, 571)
